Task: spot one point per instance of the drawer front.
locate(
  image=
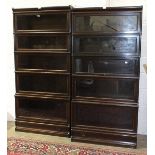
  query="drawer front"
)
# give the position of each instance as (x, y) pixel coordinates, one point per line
(104, 137)
(42, 109)
(42, 128)
(98, 115)
(112, 23)
(41, 42)
(100, 88)
(42, 22)
(106, 45)
(42, 61)
(42, 83)
(102, 65)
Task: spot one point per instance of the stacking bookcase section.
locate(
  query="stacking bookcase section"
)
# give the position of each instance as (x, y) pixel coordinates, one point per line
(42, 114)
(113, 45)
(42, 64)
(105, 75)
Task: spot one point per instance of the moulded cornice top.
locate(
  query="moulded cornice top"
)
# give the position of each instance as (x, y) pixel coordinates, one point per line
(42, 8)
(61, 8)
(122, 8)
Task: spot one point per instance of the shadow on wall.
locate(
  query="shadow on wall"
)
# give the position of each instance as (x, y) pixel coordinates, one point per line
(10, 117)
(145, 67)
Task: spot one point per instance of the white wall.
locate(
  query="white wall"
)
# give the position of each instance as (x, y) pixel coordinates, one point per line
(142, 118)
(9, 49)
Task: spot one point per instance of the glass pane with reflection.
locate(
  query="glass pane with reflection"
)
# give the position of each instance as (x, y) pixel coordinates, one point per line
(109, 23)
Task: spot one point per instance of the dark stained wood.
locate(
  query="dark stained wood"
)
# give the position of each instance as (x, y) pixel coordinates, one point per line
(42, 67)
(52, 9)
(104, 105)
(42, 128)
(105, 138)
(126, 8)
(77, 72)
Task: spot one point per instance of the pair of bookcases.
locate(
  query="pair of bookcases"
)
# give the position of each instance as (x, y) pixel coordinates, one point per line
(77, 72)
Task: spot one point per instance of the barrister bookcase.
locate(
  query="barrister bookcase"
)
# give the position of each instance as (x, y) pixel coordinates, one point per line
(77, 72)
(42, 67)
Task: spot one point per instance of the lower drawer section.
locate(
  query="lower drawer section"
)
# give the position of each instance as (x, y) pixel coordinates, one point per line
(104, 137)
(43, 128)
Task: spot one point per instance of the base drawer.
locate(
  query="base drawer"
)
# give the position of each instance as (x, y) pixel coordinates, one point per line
(104, 137)
(42, 128)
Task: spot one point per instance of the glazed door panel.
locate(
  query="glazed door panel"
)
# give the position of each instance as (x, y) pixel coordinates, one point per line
(99, 115)
(105, 66)
(41, 22)
(106, 23)
(106, 45)
(42, 61)
(105, 88)
(42, 83)
(54, 110)
(41, 42)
